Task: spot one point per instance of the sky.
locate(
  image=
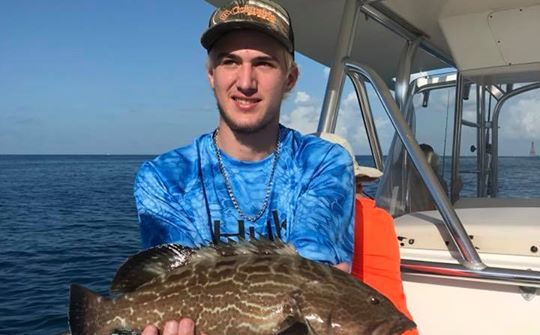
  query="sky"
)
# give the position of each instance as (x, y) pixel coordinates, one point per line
(128, 77)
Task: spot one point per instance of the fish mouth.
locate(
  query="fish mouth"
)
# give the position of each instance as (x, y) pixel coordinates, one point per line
(394, 327)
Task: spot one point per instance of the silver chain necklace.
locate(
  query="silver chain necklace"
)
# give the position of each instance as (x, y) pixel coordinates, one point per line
(228, 184)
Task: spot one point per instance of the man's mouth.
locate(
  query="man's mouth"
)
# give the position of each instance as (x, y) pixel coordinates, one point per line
(245, 102)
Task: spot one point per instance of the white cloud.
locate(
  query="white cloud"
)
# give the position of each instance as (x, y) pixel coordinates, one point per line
(351, 126)
(302, 97)
(302, 118)
(521, 120)
(304, 115)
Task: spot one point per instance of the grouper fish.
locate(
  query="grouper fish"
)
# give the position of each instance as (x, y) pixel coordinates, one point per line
(248, 288)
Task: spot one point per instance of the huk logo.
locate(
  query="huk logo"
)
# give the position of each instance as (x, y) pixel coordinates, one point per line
(273, 230)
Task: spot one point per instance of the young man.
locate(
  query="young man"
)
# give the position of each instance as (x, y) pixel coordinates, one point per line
(251, 177)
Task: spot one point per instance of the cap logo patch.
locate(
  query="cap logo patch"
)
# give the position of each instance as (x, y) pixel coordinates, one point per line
(261, 13)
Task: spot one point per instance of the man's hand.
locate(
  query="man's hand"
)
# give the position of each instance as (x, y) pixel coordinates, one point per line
(342, 266)
(173, 327)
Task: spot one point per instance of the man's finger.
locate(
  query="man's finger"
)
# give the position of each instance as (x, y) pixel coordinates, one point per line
(186, 327)
(150, 330)
(171, 328)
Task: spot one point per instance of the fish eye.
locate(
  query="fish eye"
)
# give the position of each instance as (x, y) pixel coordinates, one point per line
(374, 301)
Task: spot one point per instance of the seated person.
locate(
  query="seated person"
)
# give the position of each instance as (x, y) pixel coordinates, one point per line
(376, 259)
(433, 160)
(421, 199)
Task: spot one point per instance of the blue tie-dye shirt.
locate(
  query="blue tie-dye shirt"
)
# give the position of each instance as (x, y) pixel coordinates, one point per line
(181, 197)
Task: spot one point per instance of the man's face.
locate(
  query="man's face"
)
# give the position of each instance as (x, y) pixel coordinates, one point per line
(248, 74)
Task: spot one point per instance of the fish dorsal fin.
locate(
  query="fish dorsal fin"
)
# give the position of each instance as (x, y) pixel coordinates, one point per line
(149, 264)
(155, 262)
(261, 246)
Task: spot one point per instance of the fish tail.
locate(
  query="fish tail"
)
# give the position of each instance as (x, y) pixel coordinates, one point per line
(83, 308)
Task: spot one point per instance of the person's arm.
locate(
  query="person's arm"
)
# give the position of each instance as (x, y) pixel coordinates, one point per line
(322, 229)
(162, 218)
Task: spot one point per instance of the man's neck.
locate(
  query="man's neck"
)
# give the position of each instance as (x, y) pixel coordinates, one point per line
(247, 147)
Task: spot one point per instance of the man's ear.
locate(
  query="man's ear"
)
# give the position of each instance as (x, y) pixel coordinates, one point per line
(292, 78)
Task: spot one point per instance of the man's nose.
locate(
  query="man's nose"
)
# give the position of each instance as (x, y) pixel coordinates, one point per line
(246, 81)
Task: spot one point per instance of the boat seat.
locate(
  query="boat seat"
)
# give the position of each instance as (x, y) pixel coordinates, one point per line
(493, 228)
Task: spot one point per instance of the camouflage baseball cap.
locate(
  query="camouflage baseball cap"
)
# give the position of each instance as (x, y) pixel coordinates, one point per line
(261, 15)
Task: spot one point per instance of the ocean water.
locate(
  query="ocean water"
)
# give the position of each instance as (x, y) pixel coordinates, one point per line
(63, 219)
(67, 219)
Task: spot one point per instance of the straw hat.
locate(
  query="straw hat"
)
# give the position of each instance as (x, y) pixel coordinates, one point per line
(359, 171)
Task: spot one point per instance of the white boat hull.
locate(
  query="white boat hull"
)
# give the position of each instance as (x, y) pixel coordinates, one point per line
(505, 237)
(451, 306)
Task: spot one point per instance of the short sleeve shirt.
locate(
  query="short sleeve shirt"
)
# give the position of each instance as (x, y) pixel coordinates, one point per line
(181, 197)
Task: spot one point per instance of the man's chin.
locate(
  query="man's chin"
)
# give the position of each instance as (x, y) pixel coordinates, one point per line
(247, 129)
(246, 126)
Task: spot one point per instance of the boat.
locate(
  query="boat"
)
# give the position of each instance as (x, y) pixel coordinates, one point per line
(470, 264)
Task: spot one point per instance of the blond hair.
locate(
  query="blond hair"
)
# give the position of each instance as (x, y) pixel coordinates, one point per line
(286, 61)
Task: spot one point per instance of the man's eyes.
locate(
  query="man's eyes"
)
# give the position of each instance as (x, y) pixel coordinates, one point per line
(265, 64)
(235, 62)
(229, 61)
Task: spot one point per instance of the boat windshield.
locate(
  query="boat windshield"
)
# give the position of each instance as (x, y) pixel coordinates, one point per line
(497, 155)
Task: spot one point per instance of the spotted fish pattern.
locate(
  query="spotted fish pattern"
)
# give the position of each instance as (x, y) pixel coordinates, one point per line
(248, 288)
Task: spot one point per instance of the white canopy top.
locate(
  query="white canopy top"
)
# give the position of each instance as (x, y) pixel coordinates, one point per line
(488, 40)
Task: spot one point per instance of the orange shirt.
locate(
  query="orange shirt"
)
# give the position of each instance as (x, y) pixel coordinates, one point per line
(376, 259)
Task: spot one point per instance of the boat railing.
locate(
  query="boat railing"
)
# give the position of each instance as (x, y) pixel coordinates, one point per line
(470, 262)
(471, 265)
(424, 85)
(460, 237)
(523, 278)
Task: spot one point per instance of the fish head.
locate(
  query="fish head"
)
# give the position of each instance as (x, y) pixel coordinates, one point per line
(350, 308)
(367, 314)
(358, 310)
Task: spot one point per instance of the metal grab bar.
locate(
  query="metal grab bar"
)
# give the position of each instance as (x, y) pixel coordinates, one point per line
(492, 274)
(367, 115)
(469, 257)
(456, 139)
(336, 77)
(347, 32)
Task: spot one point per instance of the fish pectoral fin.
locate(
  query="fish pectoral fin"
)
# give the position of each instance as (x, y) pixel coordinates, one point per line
(149, 264)
(295, 322)
(297, 328)
(313, 316)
